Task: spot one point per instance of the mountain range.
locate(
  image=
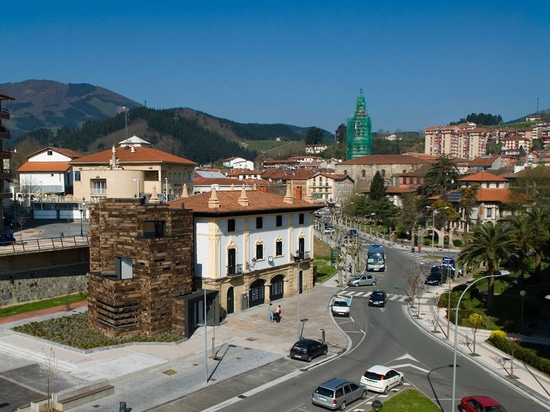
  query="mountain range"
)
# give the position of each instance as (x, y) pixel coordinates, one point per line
(89, 118)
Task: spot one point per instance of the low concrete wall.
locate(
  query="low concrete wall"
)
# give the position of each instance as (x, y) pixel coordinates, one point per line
(60, 273)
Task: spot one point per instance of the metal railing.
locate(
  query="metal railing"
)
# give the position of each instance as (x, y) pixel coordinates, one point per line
(44, 244)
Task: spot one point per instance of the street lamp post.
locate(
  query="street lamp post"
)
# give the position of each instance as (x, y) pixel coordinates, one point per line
(522, 293)
(456, 330)
(298, 260)
(205, 281)
(81, 219)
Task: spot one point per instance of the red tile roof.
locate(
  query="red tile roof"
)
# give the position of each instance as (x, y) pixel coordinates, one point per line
(258, 202)
(53, 167)
(67, 152)
(493, 195)
(483, 177)
(139, 154)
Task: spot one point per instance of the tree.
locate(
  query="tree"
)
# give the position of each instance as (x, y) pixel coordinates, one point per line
(468, 201)
(531, 187)
(314, 136)
(408, 215)
(475, 319)
(523, 245)
(488, 245)
(441, 179)
(377, 187)
(539, 228)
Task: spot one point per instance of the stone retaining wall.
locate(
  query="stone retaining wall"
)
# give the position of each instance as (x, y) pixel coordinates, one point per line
(42, 283)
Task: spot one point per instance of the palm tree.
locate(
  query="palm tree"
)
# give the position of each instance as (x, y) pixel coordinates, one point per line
(539, 227)
(523, 246)
(488, 245)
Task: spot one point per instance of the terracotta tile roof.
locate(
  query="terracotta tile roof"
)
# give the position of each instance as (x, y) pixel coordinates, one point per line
(388, 159)
(59, 167)
(203, 181)
(258, 202)
(493, 195)
(66, 152)
(138, 154)
(420, 172)
(484, 160)
(483, 177)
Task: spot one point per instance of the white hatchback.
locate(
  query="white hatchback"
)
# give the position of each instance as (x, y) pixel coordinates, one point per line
(379, 378)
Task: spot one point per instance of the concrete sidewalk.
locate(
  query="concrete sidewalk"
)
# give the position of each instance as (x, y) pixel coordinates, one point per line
(148, 375)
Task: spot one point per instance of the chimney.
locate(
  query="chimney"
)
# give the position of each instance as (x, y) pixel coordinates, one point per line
(243, 199)
(288, 196)
(184, 192)
(213, 202)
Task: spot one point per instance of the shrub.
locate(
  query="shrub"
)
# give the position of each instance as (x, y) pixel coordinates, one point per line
(498, 333)
(529, 356)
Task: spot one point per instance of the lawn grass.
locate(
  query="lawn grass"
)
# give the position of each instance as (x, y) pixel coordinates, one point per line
(409, 400)
(43, 304)
(321, 260)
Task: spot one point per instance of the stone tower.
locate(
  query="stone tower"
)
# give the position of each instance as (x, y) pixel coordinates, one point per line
(358, 131)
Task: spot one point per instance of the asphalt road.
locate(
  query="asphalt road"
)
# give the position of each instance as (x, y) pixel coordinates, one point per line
(379, 336)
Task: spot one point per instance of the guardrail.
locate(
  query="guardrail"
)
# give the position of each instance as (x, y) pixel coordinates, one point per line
(44, 244)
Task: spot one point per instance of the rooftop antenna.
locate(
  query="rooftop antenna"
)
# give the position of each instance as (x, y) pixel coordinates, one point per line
(537, 104)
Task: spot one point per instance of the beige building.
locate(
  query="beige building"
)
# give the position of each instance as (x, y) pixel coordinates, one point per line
(252, 247)
(462, 141)
(132, 170)
(391, 167)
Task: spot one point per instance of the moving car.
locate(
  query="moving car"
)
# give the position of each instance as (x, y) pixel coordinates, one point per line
(362, 280)
(338, 393)
(6, 240)
(378, 298)
(308, 349)
(341, 306)
(379, 378)
(480, 404)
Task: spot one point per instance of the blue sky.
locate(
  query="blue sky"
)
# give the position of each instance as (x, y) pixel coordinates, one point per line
(297, 62)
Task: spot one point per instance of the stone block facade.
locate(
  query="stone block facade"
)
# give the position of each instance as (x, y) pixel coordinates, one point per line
(141, 264)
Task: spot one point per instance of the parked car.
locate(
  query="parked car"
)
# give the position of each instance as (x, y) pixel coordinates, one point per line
(362, 280)
(379, 378)
(480, 404)
(338, 393)
(378, 298)
(308, 349)
(341, 306)
(434, 279)
(6, 240)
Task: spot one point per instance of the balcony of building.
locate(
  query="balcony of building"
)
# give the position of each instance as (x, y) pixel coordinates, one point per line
(4, 114)
(4, 133)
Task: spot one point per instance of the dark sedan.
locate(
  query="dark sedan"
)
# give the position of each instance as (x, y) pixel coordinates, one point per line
(308, 349)
(378, 298)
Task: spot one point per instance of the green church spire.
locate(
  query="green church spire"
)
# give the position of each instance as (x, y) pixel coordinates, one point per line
(358, 131)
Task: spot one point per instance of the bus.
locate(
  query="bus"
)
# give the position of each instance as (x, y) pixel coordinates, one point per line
(376, 258)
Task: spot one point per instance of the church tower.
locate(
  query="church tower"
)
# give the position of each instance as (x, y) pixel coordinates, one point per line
(358, 131)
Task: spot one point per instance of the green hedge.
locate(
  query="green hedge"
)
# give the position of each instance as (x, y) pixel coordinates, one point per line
(529, 356)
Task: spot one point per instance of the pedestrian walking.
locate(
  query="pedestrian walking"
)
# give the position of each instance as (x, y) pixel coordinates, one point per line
(270, 312)
(278, 314)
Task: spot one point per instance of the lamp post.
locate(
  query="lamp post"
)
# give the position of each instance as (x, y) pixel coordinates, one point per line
(298, 260)
(205, 281)
(456, 330)
(522, 293)
(81, 218)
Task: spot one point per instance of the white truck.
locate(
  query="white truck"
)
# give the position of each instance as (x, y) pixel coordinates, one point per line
(341, 306)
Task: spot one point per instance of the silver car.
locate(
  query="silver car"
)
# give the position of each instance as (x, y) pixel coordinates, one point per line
(362, 280)
(338, 393)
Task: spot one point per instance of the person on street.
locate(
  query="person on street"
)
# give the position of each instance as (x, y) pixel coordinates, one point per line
(270, 312)
(278, 314)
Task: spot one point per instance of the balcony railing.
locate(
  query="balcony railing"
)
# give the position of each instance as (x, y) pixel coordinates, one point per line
(43, 244)
(302, 255)
(234, 270)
